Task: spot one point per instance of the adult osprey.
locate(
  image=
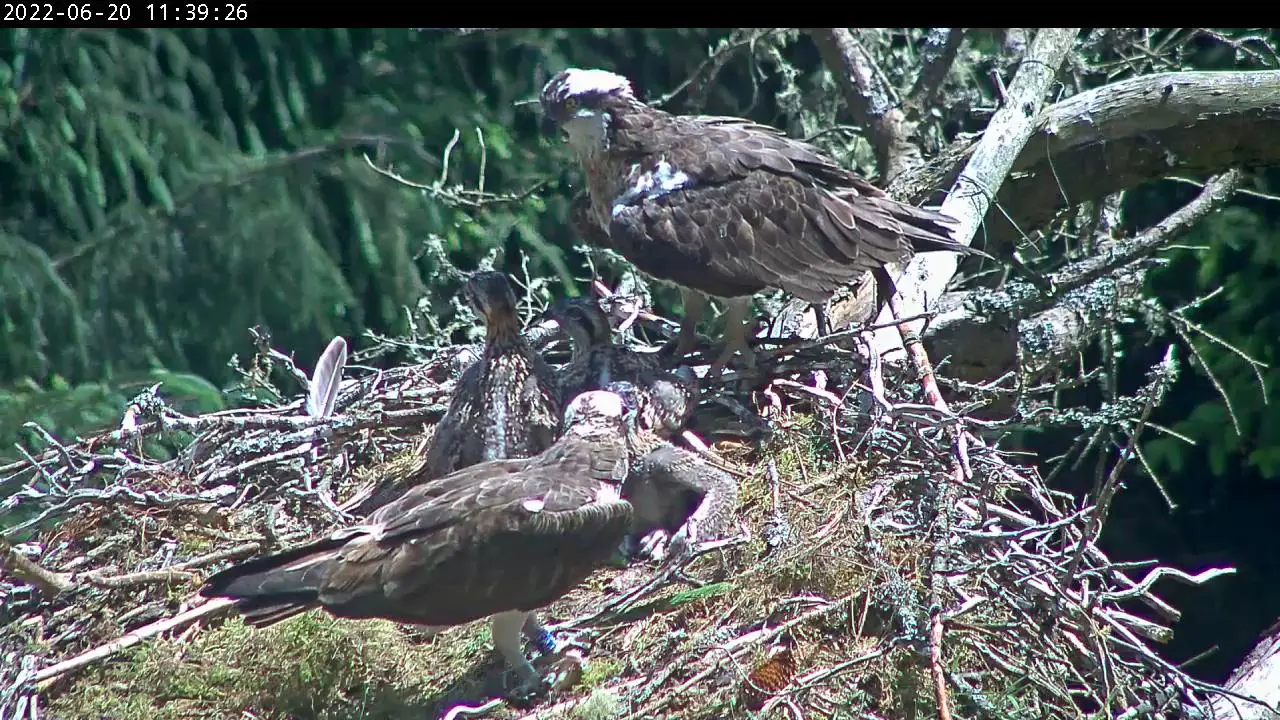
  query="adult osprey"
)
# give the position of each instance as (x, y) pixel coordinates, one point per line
(500, 538)
(724, 207)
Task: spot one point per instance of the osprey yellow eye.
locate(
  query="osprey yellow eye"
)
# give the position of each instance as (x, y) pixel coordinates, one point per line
(570, 104)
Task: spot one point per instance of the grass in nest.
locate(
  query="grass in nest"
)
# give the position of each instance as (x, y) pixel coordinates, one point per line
(311, 666)
(315, 666)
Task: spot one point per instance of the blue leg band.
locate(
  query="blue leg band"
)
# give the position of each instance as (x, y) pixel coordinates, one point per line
(545, 642)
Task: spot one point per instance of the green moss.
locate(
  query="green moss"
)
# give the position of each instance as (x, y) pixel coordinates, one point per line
(311, 666)
(600, 671)
(602, 704)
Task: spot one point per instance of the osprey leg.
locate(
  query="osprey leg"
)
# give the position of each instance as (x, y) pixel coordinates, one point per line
(505, 628)
(695, 305)
(539, 635)
(737, 313)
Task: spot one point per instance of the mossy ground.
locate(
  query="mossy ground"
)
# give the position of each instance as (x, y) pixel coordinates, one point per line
(315, 666)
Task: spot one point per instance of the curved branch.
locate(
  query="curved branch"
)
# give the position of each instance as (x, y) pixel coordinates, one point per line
(1120, 136)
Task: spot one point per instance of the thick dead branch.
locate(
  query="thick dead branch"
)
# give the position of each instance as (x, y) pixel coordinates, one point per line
(927, 274)
(1120, 136)
(1018, 327)
(1257, 677)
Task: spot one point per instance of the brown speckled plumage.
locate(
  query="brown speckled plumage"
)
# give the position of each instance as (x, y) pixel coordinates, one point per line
(680, 498)
(507, 404)
(498, 538)
(596, 361)
(723, 206)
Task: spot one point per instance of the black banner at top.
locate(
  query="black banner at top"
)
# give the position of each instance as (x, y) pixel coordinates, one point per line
(224, 14)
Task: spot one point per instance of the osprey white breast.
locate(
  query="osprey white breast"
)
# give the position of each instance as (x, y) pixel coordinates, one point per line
(664, 178)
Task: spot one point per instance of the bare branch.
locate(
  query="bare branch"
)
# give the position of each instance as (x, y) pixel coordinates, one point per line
(1258, 677)
(128, 640)
(1145, 584)
(942, 45)
(938, 670)
(1216, 192)
(49, 583)
(927, 274)
(1054, 327)
(706, 72)
(455, 194)
(1120, 136)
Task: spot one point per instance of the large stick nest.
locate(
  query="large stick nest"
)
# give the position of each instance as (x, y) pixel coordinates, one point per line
(851, 594)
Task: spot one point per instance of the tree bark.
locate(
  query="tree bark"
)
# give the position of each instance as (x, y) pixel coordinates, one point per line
(1257, 677)
(925, 278)
(892, 134)
(1120, 136)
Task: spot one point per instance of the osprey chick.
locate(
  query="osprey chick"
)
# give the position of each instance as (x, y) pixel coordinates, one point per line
(505, 405)
(725, 207)
(679, 498)
(500, 538)
(596, 361)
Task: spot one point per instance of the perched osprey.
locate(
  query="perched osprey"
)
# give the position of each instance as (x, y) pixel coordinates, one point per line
(596, 361)
(500, 538)
(506, 404)
(724, 207)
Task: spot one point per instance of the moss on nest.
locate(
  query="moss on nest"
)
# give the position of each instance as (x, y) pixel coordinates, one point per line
(311, 666)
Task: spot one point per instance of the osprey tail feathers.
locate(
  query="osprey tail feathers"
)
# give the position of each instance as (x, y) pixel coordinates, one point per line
(272, 588)
(928, 230)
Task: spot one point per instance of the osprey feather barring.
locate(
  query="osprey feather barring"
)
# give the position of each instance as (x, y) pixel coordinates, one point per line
(725, 207)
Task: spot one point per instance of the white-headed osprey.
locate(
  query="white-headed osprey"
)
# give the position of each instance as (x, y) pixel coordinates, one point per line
(724, 207)
(499, 538)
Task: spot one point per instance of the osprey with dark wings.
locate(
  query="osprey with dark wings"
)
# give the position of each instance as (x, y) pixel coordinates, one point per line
(724, 207)
(497, 539)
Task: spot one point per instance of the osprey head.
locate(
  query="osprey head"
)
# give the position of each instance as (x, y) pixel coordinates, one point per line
(633, 401)
(582, 320)
(673, 402)
(490, 296)
(577, 100)
(598, 410)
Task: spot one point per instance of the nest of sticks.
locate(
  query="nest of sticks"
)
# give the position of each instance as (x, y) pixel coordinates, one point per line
(892, 561)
